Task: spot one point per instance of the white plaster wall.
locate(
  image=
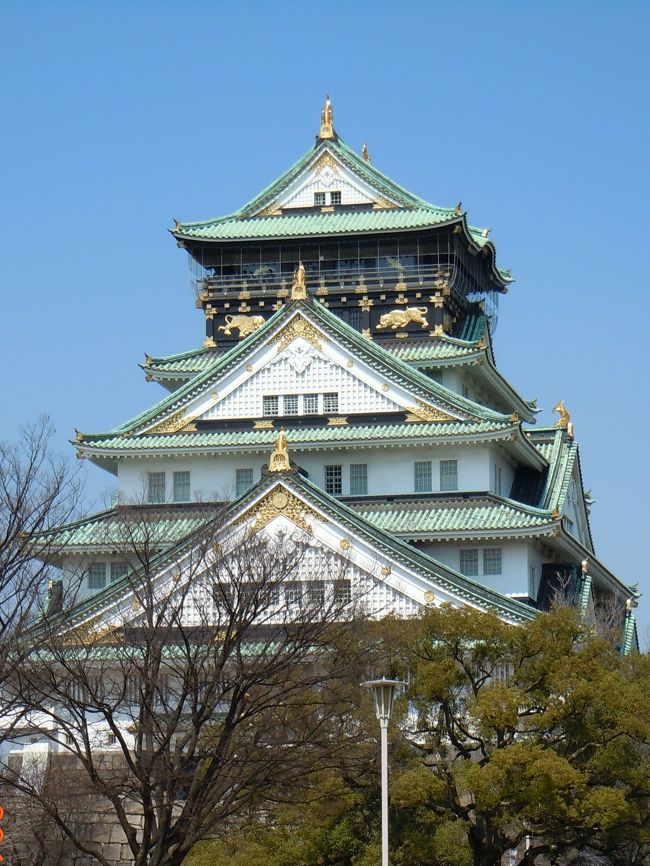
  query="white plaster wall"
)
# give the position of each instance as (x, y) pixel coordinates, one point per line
(516, 558)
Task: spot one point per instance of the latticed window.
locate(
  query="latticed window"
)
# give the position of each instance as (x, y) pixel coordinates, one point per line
(436, 375)
(492, 557)
(333, 483)
(270, 406)
(181, 486)
(292, 594)
(310, 404)
(422, 476)
(316, 592)
(243, 480)
(342, 592)
(290, 404)
(118, 570)
(330, 403)
(319, 199)
(155, 487)
(469, 562)
(335, 197)
(358, 479)
(448, 475)
(97, 575)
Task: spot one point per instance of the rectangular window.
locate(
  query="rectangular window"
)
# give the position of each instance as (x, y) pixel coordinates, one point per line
(111, 739)
(97, 575)
(243, 480)
(273, 596)
(436, 375)
(342, 592)
(448, 475)
(330, 403)
(469, 562)
(497, 480)
(422, 476)
(292, 594)
(310, 404)
(358, 479)
(118, 570)
(316, 592)
(270, 406)
(353, 317)
(532, 582)
(290, 404)
(181, 486)
(333, 483)
(335, 197)
(155, 487)
(319, 199)
(492, 560)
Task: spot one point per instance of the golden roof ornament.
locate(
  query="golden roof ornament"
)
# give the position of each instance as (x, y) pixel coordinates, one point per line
(326, 120)
(564, 421)
(299, 287)
(279, 461)
(365, 154)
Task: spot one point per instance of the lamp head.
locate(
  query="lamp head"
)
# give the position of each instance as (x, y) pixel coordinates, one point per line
(383, 693)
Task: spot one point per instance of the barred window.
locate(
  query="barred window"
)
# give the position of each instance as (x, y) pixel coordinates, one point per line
(292, 594)
(342, 592)
(358, 479)
(422, 476)
(181, 486)
(333, 483)
(335, 197)
(290, 404)
(273, 596)
(97, 575)
(492, 560)
(352, 315)
(118, 570)
(155, 487)
(310, 404)
(448, 475)
(469, 562)
(330, 403)
(316, 592)
(270, 405)
(319, 199)
(132, 690)
(243, 480)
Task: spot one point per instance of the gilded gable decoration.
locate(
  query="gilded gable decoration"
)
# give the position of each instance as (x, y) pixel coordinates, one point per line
(281, 501)
(423, 412)
(298, 327)
(176, 423)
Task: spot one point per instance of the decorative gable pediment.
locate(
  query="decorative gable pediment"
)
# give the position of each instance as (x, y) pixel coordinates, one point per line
(325, 175)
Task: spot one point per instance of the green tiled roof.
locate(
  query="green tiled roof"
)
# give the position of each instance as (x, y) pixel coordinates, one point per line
(263, 439)
(471, 328)
(159, 526)
(485, 516)
(561, 453)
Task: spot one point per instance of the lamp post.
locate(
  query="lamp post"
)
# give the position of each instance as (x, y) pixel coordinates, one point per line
(383, 692)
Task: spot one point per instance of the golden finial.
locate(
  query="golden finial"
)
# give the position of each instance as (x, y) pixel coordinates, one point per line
(148, 360)
(564, 421)
(177, 225)
(459, 208)
(326, 120)
(78, 437)
(298, 287)
(365, 154)
(584, 566)
(279, 461)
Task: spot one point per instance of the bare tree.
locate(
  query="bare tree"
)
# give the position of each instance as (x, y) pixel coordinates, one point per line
(214, 684)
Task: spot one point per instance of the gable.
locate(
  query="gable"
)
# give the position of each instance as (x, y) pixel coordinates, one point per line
(327, 174)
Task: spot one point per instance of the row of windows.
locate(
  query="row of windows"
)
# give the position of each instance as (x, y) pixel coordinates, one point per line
(274, 405)
(422, 476)
(101, 572)
(327, 198)
(358, 479)
(492, 561)
(156, 487)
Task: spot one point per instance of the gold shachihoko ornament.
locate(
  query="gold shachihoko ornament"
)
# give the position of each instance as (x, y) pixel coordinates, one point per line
(279, 461)
(326, 120)
(299, 287)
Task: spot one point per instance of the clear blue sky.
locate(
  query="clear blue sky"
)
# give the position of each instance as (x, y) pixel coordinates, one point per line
(117, 117)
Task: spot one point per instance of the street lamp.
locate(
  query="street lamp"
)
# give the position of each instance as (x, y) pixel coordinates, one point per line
(383, 692)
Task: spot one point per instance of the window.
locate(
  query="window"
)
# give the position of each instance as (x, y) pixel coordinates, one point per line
(319, 199)
(69, 739)
(316, 591)
(111, 739)
(290, 406)
(333, 483)
(497, 480)
(97, 575)
(330, 403)
(273, 596)
(342, 592)
(310, 404)
(353, 317)
(469, 562)
(118, 570)
(181, 486)
(422, 476)
(532, 582)
(358, 479)
(492, 560)
(243, 480)
(466, 392)
(335, 197)
(449, 475)
(269, 406)
(436, 375)
(292, 594)
(155, 487)
(132, 690)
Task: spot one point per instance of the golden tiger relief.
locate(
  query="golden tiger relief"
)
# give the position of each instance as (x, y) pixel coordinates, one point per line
(401, 318)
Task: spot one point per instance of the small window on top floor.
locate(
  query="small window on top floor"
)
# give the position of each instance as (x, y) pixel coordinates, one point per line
(333, 480)
(335, 197)
(181, 486)
(270, 406)
(97, 575)
(290, 404)
(330, 403)
(310, 404)
(155, 488)
(319, 199)
(448, 475)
